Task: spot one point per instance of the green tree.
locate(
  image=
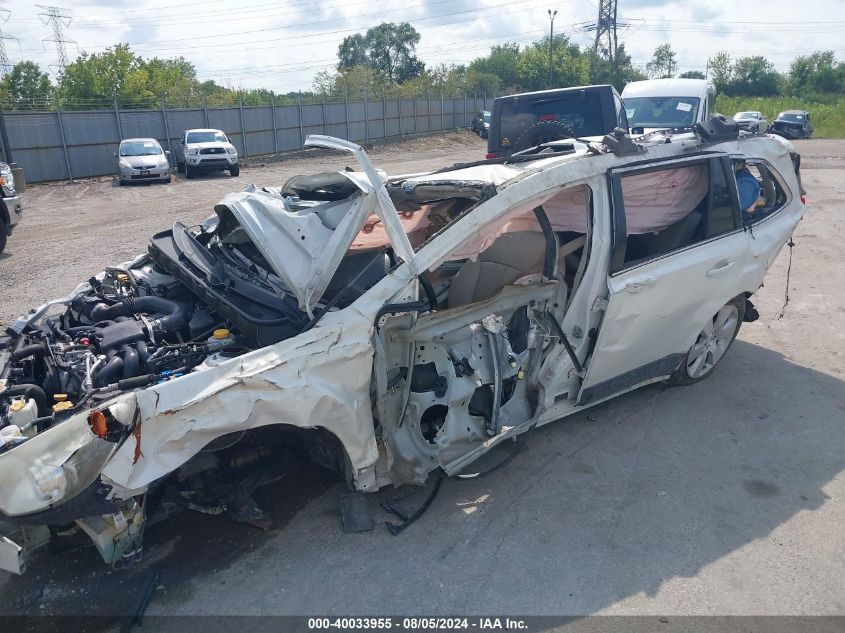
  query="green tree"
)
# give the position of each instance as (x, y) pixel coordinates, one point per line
(352, 82)
(617, 72)
(754, 76)
(692, 74)
(818, 72)
(387, 48)
(721, 71)
(26, 86)
(102, 76)
(569, 66)
(502, 62)
(175, 77)
(663, 62)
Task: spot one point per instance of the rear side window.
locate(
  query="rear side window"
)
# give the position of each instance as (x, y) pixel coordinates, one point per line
(759, 190)
(662, 210)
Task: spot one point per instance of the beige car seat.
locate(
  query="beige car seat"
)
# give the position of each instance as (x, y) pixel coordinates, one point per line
(511, 256)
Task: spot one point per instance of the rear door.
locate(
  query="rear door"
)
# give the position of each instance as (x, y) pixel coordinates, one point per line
(677, 250)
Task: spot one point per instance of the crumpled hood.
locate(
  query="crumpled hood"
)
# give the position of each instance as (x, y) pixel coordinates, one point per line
(303, 246)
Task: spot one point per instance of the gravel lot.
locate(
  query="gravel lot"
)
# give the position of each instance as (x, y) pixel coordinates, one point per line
(727, 497)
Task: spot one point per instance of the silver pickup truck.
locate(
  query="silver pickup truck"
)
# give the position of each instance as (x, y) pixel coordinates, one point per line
(11, 209)
(206, 150)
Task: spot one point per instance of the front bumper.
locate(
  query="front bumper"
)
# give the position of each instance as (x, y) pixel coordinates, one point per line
(137, 175)
(789, 131)
(212, 162)
(15, 207)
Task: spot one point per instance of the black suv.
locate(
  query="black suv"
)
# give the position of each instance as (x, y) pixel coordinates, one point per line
(525, 120)
(792, 124)
(11, 209)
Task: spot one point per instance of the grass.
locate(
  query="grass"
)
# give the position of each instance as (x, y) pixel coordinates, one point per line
(828, 119)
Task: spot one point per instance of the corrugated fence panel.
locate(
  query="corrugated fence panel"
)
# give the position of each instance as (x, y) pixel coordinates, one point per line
(179, 120)
(92, 136)
(422, 117)
(229, 121)
(357, 129)
(36, 144)
(92, 139)
(142, 123)
(409, 121)
(335, 113)
(391, 113)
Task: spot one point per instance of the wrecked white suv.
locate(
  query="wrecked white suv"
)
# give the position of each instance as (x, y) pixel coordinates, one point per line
(384, 326)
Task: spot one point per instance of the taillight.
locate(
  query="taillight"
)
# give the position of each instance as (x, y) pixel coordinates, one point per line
(803, 199)
(492, 155)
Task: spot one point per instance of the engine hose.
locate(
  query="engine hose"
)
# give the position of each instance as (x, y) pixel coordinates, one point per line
(143, 352)
(30, 391)
(38, 423)
(131, 361)
(37, 349)
(176, 314)
(109, 372)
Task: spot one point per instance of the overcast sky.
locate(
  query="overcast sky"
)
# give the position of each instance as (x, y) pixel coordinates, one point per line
(281, 45)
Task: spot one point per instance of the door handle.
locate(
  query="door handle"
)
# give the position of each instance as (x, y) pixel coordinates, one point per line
(720, 268)
(637, 286)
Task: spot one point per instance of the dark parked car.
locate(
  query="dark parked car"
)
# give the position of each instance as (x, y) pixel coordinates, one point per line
(792, 124)
(481, 123)
(532, 118)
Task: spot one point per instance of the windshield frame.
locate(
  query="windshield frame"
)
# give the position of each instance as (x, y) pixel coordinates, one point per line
(191, 137)
(632, 104)
(155, 145)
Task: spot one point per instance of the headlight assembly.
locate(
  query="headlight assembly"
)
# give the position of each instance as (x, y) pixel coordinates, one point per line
(125, 164)
(193, 151)
(59, 463)
(7, 180)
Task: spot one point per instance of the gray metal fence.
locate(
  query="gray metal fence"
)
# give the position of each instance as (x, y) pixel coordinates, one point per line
(64, 145)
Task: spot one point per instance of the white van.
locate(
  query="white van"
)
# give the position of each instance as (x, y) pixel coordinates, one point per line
(659, 104)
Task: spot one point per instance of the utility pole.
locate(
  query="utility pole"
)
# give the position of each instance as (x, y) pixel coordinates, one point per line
(551, 46)
(58, 19)
(5, 66)
(605, 44)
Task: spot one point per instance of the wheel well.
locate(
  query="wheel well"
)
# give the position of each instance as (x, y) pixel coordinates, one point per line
(316, 444)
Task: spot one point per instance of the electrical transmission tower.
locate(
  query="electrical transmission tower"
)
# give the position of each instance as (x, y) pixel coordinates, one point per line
(605, 44)
(5, 66)
(58, 19)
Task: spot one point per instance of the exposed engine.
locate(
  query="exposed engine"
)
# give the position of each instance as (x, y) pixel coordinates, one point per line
(136, 326)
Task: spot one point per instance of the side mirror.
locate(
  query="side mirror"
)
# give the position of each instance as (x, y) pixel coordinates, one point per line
(167, 152)
(115, 154)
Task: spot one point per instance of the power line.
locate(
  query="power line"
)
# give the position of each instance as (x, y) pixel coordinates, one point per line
(606, 40)
(5, 66)
(58, 19)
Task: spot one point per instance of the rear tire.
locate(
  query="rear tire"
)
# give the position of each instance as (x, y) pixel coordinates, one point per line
(3, 236)
(234, 170)
(711, 345)
(180, 167)
(189, 172)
